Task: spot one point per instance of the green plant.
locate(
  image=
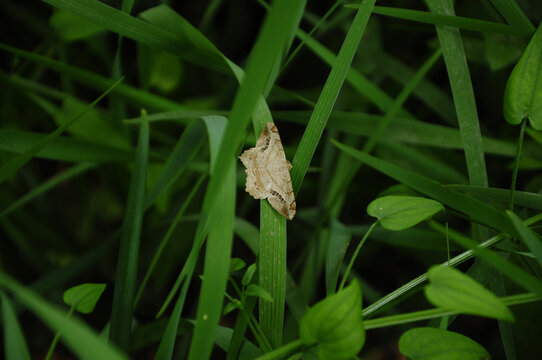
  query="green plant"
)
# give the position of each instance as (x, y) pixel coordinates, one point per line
(122, 126)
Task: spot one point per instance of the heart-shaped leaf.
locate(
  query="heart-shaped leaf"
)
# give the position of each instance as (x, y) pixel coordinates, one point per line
(450, 289)
(83, 297)
(335, 324)
(402, 212)
(440, 344)
(523, 94)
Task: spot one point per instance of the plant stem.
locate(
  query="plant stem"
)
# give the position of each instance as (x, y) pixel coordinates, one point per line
(56, 338)
(516, 165)
(345, 276)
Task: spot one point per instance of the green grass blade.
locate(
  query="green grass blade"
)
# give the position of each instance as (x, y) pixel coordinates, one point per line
(131, 94)
(513, 272)
(61, 148)
(127, 264)
(216, 269)
(82, 340)
(17, 162)
(215, 130)
(182, 154)
(189, 48)
(272, 272)
(357, 80)
(423, 163)
(46, 186)
(476, 209)
(465, 104)
(268, 47)
(167, 237)
(15, 347)
(444, 20)
(339, 238)
(400, 130)
(328, 96)
(513, 14)
(531, 240)
(523, 198)
(382, 126)
(433, 97)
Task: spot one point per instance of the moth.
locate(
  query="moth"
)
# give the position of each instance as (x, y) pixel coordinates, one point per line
(268, 172)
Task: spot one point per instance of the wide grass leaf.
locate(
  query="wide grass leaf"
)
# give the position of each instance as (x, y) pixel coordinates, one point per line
(335, 324)
(450, 289)
(523, 94)
(15, 347)
(440, 344)
(402, 212)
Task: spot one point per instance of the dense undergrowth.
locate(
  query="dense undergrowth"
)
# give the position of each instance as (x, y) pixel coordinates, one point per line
(413, 131)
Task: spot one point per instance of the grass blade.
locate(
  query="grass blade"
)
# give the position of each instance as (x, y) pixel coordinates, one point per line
(126, 276)
(46, 186)
(476, 209)
(17, 162)
(84, 342)
(61, 148)
(444, 20)
(465, 104)
(523, 198)
(328, 96)
(527, 236)
(513, 14)
(182, 154)
(14, 342)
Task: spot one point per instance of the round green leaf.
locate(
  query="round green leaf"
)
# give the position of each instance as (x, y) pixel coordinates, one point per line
(440, 344)
(523, 94)
(450, 289)
(83, 297)
(335, 324)
(402, 212)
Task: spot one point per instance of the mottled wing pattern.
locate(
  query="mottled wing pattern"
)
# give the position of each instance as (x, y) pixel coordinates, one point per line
(268, 172)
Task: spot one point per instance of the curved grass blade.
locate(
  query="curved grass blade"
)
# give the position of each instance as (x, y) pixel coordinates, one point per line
(126, 276)
(182, 154)
(15, 347)
(82, 340)
(527, 236)
(62, 148)
(192, 49)
(444, 20)
(17, 162)
(167, 237)
(476, 209)
(131, 94)
(513, 272)
(522, 198)
(46, 186)
(512, 13)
